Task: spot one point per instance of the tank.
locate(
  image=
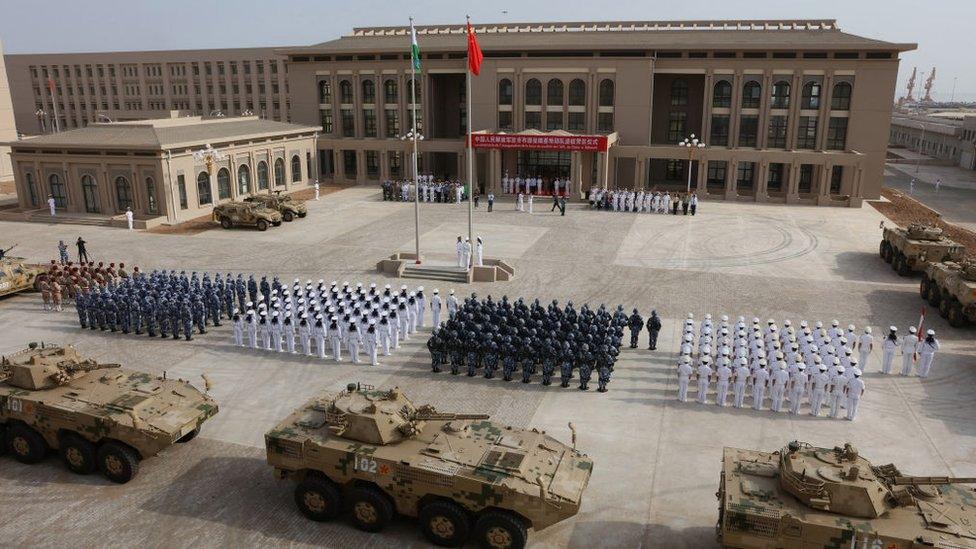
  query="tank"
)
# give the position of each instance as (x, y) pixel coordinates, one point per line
(95, 415)
(804, 496)
(912, 249)
(951, 287)
(16, 275)
(245, 213)
(462, 476)
(286, 205)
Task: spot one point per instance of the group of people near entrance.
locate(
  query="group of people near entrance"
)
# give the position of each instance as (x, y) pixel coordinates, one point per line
(642, 202)
(535, 185)
(463, 249)
(426, 189)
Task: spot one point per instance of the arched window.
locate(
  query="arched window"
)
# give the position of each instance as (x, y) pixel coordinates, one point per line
(58, 190)
(841, 98)
(223, 184)
(123, 193)
(296, 169)
(811, 96)
(369, 91)
(279, 172)
(781, 95)
(325, 92)
(554, 93)
(390, 91)
(31, 188)
(533, 92)
(606, 93)
(506, 93)
(679, 93)
(751, 95)
(416, 90)
(722, 94)
(89, 189)
(577, 93)
(262, 176)
(153, 205)
(204, 195)
(243, 179)
(345, 92)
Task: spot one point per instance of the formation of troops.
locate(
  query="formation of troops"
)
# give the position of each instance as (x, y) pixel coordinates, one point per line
(642, 202)
(64, 281)
(786, 367)
(534, 185)
(431, 190)
(522, 340)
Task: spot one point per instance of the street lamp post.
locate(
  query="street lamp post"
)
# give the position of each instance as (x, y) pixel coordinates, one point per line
(41, 114)
(692, 144)
(415, 137)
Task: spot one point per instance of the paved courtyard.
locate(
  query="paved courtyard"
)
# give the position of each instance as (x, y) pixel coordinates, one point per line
(657, 460)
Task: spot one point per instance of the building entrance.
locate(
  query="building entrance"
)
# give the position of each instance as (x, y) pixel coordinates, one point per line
(549, 165)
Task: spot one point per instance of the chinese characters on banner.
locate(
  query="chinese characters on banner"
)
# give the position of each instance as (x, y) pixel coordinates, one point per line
(582, 143)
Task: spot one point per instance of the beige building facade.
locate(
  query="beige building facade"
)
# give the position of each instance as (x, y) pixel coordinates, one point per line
(167, 170)
(63, 91)
(790, 111)
(8, 130)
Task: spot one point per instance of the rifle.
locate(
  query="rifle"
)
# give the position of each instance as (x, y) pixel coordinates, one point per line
(4, 252)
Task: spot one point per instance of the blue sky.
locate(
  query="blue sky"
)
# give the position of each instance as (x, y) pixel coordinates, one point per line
(942, 28)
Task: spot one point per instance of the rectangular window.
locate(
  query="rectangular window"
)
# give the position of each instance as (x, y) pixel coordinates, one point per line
(676, 126)
(806, 136)
(674, 170)
(392, 122)
(577, 122)
(837, 134)
(181, 186)
(396, 167)
(748, 130)
(348, 120)
(369, 122)
(326, 165)
(720, 131)
(604, 122)
(836, 178)
(745, 175)
(715, 180)
(505, 120)
(533, 120)
(372, 164)
(776, 139)
(805, 185)
(554, 120)
(325, 118)
(774, 183)
(349, 163)
(419, 114)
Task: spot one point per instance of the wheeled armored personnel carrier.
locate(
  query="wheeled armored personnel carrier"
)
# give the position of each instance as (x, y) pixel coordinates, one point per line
(951, 287)
(246, 213)
(910, 250)
(97, 416)
(461, 475)
(803, 497)
(286, 205)
(16, 275)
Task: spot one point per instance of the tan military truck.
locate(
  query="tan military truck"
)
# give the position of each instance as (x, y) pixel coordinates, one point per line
(910, 250)
(286, 205)
(96, 416)
(803, 497)
(245, 213)
(951, 286)
(17, 276)
(376, 454)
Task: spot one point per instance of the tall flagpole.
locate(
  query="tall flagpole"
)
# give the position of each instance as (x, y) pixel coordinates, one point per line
(416, 156)
(468, 93)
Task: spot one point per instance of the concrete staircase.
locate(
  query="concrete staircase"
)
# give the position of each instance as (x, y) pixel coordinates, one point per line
(72, 219)
(434, 272)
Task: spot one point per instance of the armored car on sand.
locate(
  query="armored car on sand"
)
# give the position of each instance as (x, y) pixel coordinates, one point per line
(377, 454)
(288, 206)
(911, 249)
(16, 275)
(804, 497)
(951, 287)
(95, 415)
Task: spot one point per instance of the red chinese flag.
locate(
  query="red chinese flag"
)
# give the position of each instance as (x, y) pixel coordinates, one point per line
(474, 52)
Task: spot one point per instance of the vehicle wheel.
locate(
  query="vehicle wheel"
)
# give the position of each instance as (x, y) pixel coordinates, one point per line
(318, 499)
(117, 462)
(500, 530)
(888, 253)
(303, 214)
(445, 523)
(26, 444)
(276, 223)
(904, 269)
(955, 317)
(934, 295)
(881, 249)
(189, 436)
(288, 216)
(371, 509)
(923, 286)
(944, 305)
(3, 439)
(225, 222)
(78, 455)
(262, 225)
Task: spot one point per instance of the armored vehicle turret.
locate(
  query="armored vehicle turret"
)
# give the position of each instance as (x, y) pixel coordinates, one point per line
(460, 474)
(288, 206)
(96, 415)
(912, 249)
(803, 496)
(951, 287)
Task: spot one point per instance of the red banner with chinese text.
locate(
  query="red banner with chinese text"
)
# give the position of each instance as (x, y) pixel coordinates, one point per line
(581, 143)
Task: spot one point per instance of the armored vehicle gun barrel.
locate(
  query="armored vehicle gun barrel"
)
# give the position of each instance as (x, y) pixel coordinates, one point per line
(421, 416)
(923, 481)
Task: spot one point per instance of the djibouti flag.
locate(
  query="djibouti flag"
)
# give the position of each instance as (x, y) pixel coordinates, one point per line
(414, 48)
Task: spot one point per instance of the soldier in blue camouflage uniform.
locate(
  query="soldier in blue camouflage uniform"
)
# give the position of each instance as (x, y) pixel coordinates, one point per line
(81, 306)
(185, 316)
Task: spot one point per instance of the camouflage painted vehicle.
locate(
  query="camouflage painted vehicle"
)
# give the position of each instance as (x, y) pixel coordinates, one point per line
(463, 476)
(97, 416)
(288, 207)
(951, 287)
(245, 213)
(803, 497)
(910, 250)
(18, 276)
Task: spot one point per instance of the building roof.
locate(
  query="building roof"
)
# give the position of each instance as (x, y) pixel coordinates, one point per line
(165, 133)
(609, 35)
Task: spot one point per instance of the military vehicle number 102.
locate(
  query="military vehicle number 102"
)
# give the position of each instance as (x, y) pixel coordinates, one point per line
(868, 543)
(364, 464)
